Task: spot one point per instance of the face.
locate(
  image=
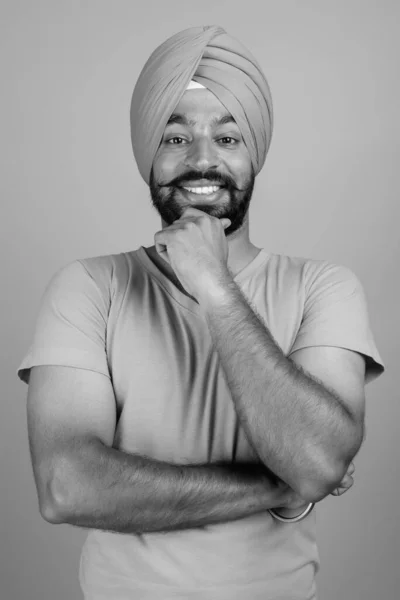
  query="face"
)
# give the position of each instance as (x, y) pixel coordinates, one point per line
(202, 162)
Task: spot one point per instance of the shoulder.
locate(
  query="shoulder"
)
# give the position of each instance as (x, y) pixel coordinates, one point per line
(105, 267)
(109, 273)
(313, 273)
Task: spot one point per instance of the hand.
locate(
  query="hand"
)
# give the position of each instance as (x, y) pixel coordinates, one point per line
(295, 504)
(346, 482)
(196, 248)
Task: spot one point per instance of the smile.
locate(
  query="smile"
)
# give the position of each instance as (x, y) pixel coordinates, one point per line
(211, 189)
(202, 194)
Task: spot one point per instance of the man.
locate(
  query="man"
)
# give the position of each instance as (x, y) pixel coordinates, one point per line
(187, 398)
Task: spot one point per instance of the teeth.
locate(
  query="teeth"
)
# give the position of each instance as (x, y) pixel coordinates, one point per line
(203, 190)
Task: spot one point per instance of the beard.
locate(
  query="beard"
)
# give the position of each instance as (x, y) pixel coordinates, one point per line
(165, 200)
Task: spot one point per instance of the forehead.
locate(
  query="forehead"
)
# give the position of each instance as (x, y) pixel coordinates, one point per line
(201, 105)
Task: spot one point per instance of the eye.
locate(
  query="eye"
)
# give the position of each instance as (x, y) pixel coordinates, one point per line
(229, 141)
(176, 141)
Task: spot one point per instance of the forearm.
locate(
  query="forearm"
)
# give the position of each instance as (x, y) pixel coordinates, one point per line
(299, 429)
(115, 491)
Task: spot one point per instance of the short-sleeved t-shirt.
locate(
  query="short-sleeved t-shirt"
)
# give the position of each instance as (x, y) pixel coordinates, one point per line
(120, 316)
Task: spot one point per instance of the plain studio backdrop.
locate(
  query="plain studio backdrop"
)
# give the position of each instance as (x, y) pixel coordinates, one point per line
(329, 190)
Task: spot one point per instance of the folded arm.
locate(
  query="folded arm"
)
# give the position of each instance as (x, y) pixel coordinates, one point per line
(303, 415)
(81, 480)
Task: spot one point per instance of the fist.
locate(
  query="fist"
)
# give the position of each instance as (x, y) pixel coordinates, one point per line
(196, 248)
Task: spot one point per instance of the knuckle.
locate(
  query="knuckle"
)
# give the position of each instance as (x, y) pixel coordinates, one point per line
(189, 225)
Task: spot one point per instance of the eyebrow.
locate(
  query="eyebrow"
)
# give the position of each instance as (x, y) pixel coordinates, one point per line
(182, 119)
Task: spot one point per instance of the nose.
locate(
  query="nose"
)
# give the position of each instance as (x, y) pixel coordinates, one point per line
(202, 155)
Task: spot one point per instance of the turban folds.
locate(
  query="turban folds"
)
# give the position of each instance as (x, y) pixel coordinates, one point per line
(207, 55)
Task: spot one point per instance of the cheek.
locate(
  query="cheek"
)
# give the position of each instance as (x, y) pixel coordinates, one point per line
(241, 167)
(164, 165)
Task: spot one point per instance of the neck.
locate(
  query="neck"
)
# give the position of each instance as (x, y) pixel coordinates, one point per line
(241, 249)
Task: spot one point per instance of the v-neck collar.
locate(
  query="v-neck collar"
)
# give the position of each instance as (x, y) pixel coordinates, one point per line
(182, 298)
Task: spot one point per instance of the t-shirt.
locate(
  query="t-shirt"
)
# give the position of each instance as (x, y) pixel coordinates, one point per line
(119, 315)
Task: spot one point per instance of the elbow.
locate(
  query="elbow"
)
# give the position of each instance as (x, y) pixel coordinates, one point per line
(315, 489)
(52, 507)
(50, 513)
(66, 494)
(55, 500)
(325, 473)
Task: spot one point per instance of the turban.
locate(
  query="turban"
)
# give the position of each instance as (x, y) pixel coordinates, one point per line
(211, 57)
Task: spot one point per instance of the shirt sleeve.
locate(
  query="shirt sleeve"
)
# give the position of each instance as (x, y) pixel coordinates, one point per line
(336, 314)
(71, 325)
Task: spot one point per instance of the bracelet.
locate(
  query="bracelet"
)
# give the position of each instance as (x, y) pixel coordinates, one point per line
(292, 519)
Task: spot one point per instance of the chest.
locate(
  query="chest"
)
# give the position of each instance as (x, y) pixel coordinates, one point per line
(172, 397)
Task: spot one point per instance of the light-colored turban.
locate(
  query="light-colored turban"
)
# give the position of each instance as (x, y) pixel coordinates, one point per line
(207, 55)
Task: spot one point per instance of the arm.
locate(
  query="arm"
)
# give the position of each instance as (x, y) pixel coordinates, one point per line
(128, 493)
(83, 481)
(304, 432)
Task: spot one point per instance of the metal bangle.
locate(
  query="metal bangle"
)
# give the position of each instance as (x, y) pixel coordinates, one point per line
(292, 519)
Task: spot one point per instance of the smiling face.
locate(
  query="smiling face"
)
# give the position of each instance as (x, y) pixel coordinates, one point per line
(202, 162)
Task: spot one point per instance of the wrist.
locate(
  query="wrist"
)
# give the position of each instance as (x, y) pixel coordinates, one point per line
(286, 512)
(292, 516)
(290, 501)
(216, 291)
(292, 507)
(280, 494)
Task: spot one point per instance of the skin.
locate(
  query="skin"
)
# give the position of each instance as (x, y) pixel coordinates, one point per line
(204, 149)
(204, 243)
(214, 251)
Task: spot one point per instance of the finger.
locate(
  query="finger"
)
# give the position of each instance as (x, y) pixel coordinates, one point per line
(340, 490)
(160, 242)
(347, 481)
(165, 236)
(184, 218)
(351, 469)
(164, 254)
(345, 484)
(194, 212)
(190, 213)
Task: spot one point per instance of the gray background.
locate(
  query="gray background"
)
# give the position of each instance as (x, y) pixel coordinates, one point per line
(329, 189)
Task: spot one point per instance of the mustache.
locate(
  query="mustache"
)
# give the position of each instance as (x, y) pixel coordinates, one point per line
(213, 176)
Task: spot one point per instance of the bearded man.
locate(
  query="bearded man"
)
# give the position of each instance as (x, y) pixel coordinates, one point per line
(189, 402)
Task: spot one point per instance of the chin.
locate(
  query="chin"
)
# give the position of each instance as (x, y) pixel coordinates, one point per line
(170, 207)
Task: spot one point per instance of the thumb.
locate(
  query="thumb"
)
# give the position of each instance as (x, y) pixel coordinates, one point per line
(225, 223)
